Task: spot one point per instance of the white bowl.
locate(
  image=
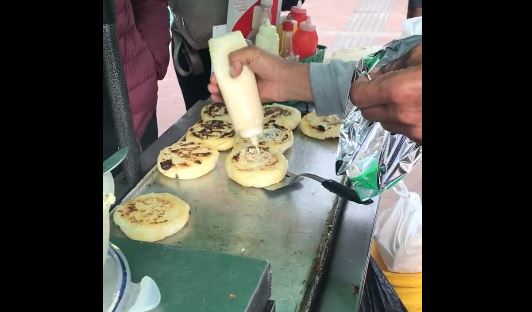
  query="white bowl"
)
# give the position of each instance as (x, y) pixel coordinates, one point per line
(119, 293)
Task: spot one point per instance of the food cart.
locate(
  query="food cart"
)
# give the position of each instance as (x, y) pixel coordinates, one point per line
(316, 244)
(300, 248)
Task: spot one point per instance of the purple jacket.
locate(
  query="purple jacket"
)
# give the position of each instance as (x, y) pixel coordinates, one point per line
(143, 33)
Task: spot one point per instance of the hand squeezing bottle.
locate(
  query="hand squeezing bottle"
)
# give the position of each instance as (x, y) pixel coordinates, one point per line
(241, 95)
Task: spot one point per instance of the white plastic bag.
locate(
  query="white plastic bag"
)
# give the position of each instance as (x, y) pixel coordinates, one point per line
(412, 26)
(353, 54)
(398, 231)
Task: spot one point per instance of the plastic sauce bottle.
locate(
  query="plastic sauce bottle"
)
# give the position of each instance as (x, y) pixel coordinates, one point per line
(298, 13)
(241, 95)
(286, 50)
(305, 40)
(279, 27)
(267, 38)
(260, 12)
(280, 30)
(290, 18)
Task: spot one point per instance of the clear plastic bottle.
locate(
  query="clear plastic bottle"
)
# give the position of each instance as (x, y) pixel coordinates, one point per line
(279, 27)
(287, 51)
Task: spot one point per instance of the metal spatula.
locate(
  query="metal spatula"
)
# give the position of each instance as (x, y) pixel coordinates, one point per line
(331, 185)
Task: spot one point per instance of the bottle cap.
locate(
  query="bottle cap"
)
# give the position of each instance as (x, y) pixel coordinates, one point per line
(299, 9)
(307, 25)
(288, 26)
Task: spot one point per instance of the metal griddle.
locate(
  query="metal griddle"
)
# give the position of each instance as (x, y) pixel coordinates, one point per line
(292, 228)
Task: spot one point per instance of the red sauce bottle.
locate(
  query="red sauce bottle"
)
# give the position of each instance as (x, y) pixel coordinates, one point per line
(305, 41)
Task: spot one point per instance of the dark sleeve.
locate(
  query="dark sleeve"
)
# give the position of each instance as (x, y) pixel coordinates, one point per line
(414, 4)
(287, 4)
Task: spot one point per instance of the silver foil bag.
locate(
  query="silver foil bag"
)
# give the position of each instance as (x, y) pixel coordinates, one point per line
(373, 158)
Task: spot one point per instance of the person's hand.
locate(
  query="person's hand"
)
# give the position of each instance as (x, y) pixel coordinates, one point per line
(277, 80)
(394, 100)
(412, 58)
(267, 69)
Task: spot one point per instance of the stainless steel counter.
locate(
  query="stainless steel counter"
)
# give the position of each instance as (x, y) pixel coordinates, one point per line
(288, 227)
(346, 275)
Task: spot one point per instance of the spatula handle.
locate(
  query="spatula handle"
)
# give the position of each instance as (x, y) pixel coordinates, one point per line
(344, 191)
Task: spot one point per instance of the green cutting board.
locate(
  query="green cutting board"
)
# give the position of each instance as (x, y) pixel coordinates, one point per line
(194, 280)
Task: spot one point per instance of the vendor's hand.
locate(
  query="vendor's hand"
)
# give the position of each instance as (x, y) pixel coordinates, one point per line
(412, 58)
(393, 99)
(277, 79)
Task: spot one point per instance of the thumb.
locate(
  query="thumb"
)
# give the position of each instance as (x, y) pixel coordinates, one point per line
(235, 68)
(239, 58)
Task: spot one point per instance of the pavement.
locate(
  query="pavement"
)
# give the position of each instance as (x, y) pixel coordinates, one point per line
(340, 25)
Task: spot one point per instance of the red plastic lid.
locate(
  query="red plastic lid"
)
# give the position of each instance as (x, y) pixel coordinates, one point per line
(288, 26)
(299, 10)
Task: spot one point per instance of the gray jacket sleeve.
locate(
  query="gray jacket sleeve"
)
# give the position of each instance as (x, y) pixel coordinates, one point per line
(330, 86)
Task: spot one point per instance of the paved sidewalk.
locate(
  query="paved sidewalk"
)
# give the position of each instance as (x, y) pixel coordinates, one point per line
(340, 24)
